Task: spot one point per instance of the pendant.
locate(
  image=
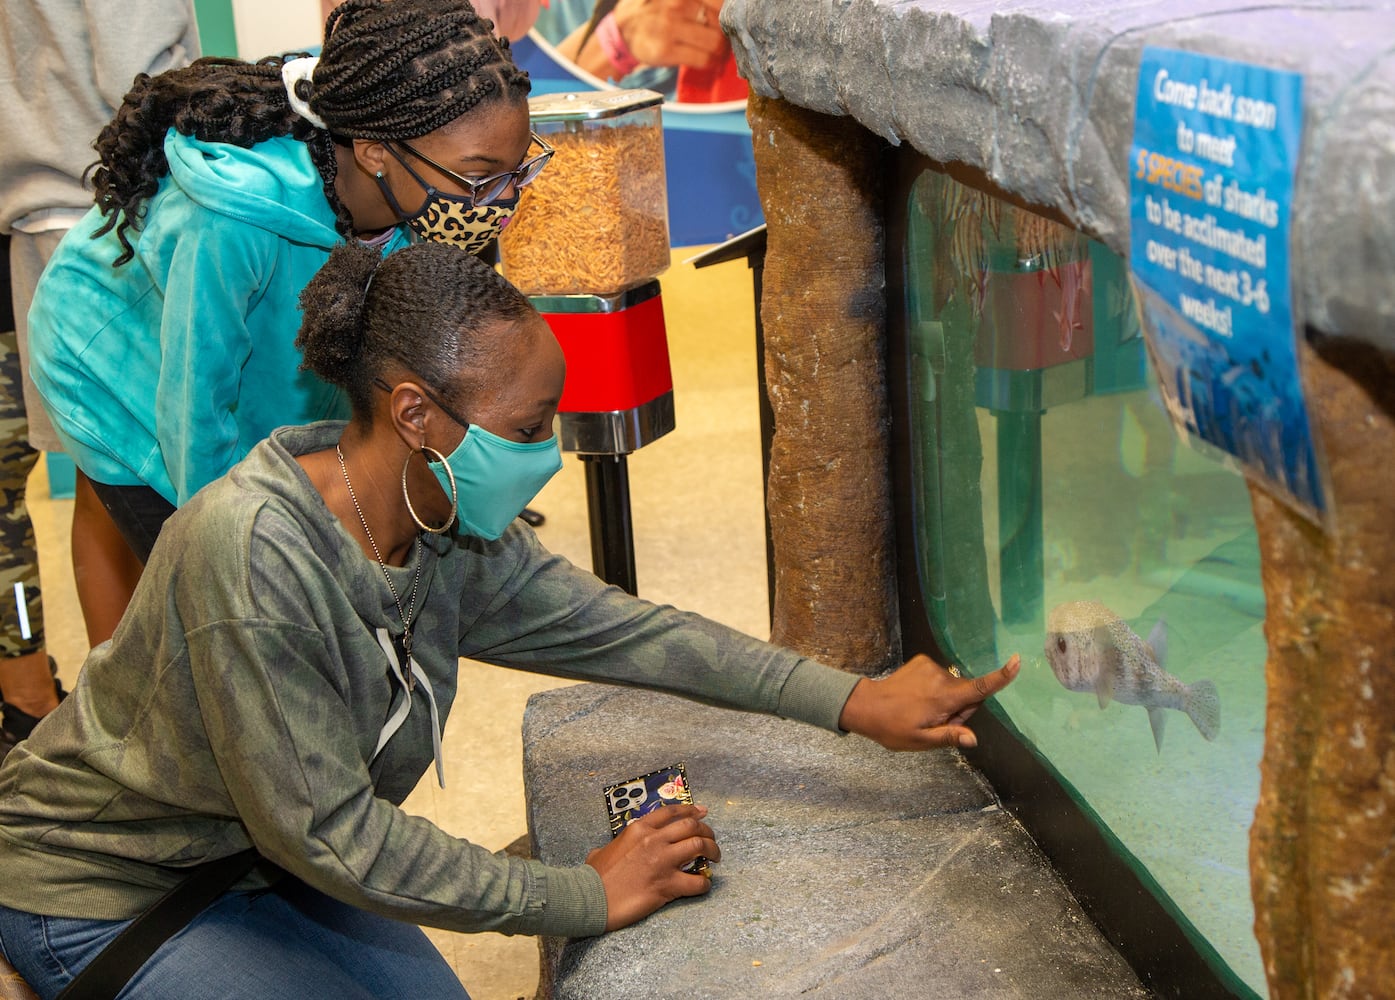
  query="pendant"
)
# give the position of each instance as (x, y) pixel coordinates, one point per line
(404, 643)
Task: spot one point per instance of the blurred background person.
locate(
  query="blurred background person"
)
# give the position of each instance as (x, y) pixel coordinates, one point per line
(68, 64)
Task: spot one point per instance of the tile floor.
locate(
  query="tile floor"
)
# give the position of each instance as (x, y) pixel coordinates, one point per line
(699, 543)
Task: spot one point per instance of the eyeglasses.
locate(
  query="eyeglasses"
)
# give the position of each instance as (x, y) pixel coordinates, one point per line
(486, 190)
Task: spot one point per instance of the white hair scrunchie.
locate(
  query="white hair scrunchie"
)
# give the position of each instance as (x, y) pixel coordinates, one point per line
(292, 72)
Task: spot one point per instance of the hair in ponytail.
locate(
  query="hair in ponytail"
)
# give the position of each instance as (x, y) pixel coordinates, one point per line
(331, 337)
(428, 307)
(390, 69)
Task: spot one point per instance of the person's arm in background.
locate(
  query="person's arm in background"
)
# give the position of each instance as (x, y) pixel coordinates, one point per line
(634, 33)
(512, 18)
(167, 38)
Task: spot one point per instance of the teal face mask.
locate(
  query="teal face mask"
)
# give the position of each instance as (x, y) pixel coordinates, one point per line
(495, 478)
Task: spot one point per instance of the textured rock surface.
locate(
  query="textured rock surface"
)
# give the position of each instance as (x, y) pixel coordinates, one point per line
(848, 871)
(1322, 868)
(823, 309)
(1039, 98)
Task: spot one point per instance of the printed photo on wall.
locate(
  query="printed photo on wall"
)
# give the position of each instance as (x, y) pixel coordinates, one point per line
(674, 47)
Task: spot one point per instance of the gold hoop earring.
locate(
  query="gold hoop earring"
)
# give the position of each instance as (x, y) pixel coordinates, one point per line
(454, 495)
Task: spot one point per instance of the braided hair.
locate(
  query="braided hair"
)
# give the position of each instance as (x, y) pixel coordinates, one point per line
(389, 69)
(428, 307)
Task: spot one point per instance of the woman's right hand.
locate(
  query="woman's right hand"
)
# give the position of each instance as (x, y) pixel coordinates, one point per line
(640, 868)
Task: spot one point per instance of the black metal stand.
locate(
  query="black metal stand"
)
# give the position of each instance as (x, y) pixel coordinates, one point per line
(751, 245)
(612, 532)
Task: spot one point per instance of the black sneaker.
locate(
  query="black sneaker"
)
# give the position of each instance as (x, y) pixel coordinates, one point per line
(17, 725)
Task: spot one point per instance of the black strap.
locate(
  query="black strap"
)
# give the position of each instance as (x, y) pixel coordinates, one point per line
(105, 976)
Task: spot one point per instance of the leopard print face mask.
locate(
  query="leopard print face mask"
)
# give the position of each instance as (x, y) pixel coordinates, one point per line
(451, 218)
(458, 221)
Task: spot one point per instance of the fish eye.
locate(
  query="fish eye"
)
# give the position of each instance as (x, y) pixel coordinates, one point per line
(1061, 643)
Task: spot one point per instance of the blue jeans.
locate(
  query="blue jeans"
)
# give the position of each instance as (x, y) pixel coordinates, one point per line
(286, 943)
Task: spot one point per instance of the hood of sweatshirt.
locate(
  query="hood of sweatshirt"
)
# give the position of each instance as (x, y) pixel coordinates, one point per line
(273, 185)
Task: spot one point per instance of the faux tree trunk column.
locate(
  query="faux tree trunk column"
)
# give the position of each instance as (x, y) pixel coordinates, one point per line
(1322, 848)
(823, 311)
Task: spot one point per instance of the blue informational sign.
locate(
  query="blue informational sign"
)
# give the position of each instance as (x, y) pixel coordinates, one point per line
(1211, 190)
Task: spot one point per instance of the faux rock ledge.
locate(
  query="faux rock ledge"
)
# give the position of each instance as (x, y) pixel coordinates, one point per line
(848, 871)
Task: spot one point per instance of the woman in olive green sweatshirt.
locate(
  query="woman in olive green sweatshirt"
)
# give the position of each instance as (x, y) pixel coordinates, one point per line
(284, 672)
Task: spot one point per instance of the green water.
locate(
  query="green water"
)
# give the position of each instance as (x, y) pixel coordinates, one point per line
(1046, 471)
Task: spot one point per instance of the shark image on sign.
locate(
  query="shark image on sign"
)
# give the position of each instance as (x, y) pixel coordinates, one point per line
(1091, 649)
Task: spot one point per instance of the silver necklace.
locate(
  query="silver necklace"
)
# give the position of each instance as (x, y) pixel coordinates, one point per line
(411, 611)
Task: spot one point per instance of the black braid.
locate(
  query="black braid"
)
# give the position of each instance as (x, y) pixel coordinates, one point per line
(429, 307)
(442, 60)
(215, 100)
(390, 69)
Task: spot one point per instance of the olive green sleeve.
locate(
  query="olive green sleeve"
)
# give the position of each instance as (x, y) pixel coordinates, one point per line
(816, 694)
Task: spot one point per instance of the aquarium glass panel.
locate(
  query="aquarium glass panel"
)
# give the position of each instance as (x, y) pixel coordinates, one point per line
(1058, 514)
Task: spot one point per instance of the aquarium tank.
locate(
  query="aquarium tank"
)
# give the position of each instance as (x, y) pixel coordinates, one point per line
(1055, 512)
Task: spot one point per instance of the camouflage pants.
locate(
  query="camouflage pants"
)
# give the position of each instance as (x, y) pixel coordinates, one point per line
(21, 603)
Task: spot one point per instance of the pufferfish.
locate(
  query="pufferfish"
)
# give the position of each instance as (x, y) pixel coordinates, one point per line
(1091, 649)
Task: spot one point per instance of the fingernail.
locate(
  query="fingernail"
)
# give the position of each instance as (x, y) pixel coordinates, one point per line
(968, 741)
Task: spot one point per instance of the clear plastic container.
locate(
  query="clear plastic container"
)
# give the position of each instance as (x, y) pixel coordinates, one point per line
(596, 219)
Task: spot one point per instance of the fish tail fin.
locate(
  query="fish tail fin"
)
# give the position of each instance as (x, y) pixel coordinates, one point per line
(1203, 706)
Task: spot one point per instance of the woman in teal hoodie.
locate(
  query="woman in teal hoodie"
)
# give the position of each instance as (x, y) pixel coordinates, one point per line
(162, 331)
